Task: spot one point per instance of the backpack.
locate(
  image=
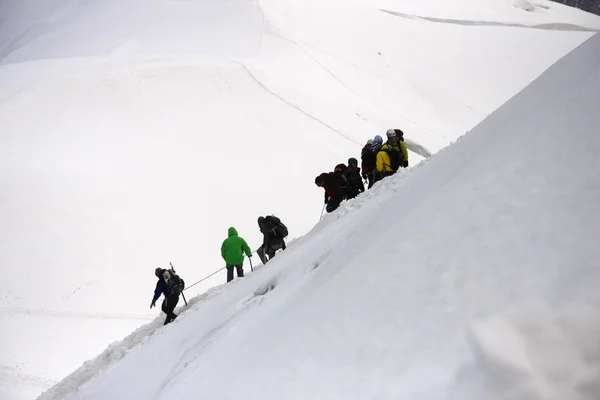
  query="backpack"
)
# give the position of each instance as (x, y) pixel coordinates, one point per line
(173, 282)
(341, 170)
(350, 185)
(368, 158)
(395, 157)
(276, 227)
(399, 134)
(355, 181)
(336, 181)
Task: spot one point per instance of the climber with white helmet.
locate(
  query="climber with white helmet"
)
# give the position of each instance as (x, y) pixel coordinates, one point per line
(393, 154)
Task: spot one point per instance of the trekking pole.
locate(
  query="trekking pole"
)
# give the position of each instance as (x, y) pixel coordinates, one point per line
(182, 295)
(322, 212)
(250, 259)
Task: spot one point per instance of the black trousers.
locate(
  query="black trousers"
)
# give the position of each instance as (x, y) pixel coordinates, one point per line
(275, 245)
(333, 204)
(168, 306)
(239, 269)
(380, 175)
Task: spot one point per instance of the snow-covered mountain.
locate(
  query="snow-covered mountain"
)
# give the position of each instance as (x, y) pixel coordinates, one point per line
(473, 276)
(134, 133)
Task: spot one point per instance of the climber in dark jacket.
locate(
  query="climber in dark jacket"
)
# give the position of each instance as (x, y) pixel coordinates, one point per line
(171, 296)
(333, 185)
(355, 183)
(368, 156)
(271, 243)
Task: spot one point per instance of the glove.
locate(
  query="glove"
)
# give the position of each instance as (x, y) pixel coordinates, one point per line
(153, 303)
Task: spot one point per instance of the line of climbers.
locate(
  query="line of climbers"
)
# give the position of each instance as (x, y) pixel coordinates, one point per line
(378, 160)
(233, 250)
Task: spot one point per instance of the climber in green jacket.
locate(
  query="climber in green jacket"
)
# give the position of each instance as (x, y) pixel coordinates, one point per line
(232, 251)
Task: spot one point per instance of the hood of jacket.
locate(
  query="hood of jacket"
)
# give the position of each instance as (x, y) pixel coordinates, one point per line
(161, 273)
(232, 232)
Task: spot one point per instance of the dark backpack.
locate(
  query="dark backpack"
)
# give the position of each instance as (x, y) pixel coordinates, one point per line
(341, 170)
(335, 182)
(399, 134)
(355, 181)
(368, 158)
(276, 227)
(173, 281)
(395, 157)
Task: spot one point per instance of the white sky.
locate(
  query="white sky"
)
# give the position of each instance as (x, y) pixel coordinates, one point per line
(127, 147)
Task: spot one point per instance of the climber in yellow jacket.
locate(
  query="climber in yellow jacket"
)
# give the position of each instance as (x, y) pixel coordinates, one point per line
(393, 154)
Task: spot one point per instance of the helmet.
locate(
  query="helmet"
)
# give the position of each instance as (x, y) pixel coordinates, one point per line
(395, 133)
(370, 141)
(378, 139)
(340, 168)
(352, 161)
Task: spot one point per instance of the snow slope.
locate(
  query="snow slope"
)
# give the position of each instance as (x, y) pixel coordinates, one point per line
(134, 133)
(472, 276)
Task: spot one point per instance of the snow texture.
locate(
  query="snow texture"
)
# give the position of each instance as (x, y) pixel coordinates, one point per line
(482, 300)
(134, 133)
